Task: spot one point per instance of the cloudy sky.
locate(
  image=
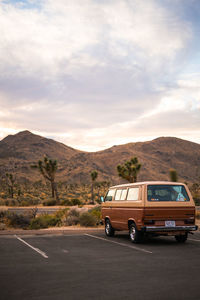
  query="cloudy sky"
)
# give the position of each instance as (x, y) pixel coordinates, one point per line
(94, 73)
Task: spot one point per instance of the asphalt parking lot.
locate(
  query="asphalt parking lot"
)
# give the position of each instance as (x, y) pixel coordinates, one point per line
(88, 265)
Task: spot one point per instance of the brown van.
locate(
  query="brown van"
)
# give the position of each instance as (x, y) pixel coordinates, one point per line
(156, 208)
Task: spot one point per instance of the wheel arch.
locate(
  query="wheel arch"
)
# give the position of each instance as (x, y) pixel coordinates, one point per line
(131, 221)
(107, 218)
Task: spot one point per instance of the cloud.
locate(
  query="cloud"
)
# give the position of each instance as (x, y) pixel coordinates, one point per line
(47, 40)
(149, 29)
(105, 69)
(62, 34)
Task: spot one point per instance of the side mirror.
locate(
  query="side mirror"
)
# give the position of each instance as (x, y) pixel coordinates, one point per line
(102, 199)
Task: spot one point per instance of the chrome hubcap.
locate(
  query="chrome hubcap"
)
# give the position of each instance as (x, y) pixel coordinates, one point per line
(107, 228)
(132, 233)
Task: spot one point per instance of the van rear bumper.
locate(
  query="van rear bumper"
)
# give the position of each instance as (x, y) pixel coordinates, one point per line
(168, 229)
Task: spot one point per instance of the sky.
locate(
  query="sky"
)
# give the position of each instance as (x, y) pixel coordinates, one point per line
(97, 73)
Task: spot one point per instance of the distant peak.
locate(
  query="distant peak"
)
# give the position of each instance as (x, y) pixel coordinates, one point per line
(20, 135)
(25, 132)
(165, 138)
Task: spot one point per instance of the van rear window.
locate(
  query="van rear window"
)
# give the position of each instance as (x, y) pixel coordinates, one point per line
(167, 193)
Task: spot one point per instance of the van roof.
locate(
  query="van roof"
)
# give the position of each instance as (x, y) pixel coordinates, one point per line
(146, 183)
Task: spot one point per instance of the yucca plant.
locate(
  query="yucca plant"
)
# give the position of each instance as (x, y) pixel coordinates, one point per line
(129, 170)
(173, 175)
(48, 168)
(94, 175)
(10, 179)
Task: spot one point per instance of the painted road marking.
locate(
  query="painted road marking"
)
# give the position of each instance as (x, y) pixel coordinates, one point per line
(35, 249)
(52, 235)
(65, 251)
(194, 240)
(121, 244)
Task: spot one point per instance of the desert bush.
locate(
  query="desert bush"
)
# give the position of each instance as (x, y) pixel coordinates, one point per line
(74, 212)
(72, 218)
(196, 200)
(96, 211)
(51, 202)
(11, 202)
(2, 202)
(27, 202)
(44, 221)
(17, 220)
(24, 203)
(61, 213)
(87, 219)
(71, 202)
(76, 201)
(66, 202)
(3, 195)
(2, 226)
(28, 193)
(2, 216)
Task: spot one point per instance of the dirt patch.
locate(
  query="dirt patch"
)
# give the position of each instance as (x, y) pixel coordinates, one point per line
(52, 230)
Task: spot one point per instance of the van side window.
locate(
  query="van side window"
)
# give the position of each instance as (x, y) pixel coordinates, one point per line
(133, 194)
(120, 194)
(110, 195)
(123, 194)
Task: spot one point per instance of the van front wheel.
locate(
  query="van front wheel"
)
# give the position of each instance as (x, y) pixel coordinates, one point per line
(109, 231)
(135, 235)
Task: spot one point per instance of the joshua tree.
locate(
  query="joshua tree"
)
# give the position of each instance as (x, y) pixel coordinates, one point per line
(48, 168)
(94, 175)
(130, 169)
(10, 179)
(173, 175)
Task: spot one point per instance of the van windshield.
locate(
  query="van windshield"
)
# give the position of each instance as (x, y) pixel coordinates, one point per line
(167, 193)
(110, 195)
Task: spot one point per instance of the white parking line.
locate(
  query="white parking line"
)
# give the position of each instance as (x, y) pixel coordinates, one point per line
(194, 240)
(36, 249)
(121, 244)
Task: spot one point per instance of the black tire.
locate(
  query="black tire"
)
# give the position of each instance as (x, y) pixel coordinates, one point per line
(182, 238)
(109, 231)
(134, 234)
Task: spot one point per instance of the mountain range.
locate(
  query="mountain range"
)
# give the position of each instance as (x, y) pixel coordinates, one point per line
(18, 152)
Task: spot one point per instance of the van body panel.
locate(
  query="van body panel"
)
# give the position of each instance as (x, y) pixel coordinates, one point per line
(173, 213)
(120, 216)
(182, 216)
(167, 217)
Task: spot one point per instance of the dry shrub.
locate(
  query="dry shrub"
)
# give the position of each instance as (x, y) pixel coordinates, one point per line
(88, 220)
(44, 221)
(72, 217)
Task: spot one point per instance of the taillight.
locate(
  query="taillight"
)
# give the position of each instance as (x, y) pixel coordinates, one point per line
(189, 221)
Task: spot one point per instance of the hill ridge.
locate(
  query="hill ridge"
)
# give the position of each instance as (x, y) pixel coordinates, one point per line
(157, 157)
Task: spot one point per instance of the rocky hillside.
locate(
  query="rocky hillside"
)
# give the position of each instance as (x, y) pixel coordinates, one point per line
(18, 152)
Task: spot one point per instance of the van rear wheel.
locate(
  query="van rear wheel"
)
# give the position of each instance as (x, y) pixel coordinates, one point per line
(109, 231)
(182, 238)
(134, 234)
